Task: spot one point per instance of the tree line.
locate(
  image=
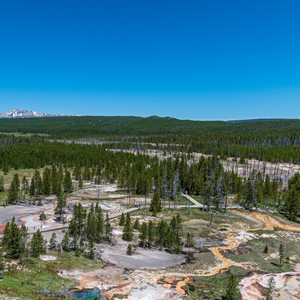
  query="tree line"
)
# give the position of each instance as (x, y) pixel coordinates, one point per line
(145, 175)
(15, 243)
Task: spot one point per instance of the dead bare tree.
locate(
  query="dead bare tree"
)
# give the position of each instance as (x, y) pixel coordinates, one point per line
(175, 187)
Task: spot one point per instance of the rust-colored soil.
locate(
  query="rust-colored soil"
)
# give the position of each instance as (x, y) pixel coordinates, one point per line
(181, 284)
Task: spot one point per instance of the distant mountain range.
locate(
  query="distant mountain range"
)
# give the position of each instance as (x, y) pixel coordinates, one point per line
(23, 113)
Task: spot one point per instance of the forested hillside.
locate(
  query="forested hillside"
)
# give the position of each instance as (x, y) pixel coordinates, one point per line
(100, 125)
(271, 140)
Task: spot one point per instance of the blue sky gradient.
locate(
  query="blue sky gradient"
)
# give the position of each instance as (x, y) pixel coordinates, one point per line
(187, 59)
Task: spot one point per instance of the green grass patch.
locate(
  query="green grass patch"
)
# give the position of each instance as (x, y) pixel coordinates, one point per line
(32, 279)
(281, 218)
(213, 288)
(202, 262)
(37, 276)
(68, 261)
(268, 262)
(3, 197)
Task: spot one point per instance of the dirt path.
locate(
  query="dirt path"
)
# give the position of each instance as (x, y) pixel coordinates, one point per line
(226, 263)
(181, 284)
(272, 223)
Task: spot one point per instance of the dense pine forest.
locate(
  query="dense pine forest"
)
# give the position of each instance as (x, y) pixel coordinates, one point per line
(55, 143)
(139, 174)
(270, 140)
(50, 161)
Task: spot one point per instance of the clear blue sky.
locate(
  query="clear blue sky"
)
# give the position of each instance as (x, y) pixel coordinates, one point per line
(211, 59)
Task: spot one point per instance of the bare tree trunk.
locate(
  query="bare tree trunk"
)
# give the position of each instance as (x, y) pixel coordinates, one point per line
(264, 169)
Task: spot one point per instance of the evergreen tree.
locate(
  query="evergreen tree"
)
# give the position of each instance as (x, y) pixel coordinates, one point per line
(13, 193)
(136, 224)
(37, 244)
(271, 292)
(53, 241)
(190, 240)
(43, 217)
(129, 250)
(77, 173)
(25, 186)
(87, 174)
(292, 199)
(173, 240)
(91, 225)
(161, 233)
(38, 183)
(60, 209)
(80, 184)
(24, 237)
(2, 265)
(47, 182)
(281, 255)
(143, 235)
(122, 220)
(108, 229)
(127, 232)
(268, 187)
(14, 239)
(150, 233)
(68, 185)
(156, 205)
(99, 224)
(56, 183)
(232, 292)
(2, 184)
(32, 188)
(65, 244)
(91, 250)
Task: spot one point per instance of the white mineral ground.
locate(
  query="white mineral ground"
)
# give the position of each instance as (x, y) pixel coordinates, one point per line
(141, 259)
(286, 286)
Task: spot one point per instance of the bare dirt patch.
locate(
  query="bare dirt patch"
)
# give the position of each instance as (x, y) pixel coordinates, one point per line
(141, 258)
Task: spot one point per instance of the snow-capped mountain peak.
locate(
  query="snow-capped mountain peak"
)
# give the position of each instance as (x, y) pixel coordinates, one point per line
(23, 113)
